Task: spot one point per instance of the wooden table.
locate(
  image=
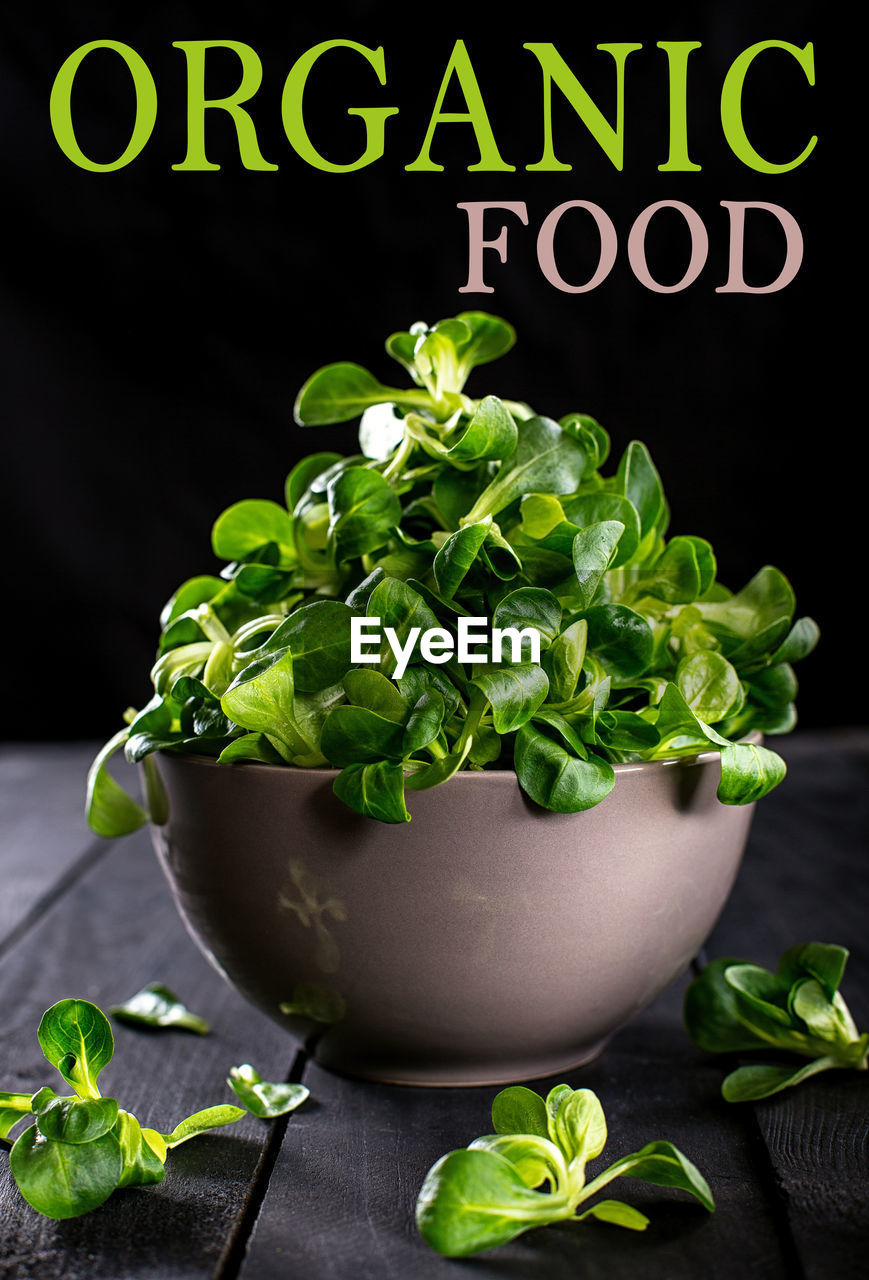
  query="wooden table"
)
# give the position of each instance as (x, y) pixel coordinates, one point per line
(329, 1192)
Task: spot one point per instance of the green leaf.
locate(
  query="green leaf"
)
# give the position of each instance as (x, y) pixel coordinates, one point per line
(638, 480)
(73, 1119)
(557, 779)
(748, 772)
(424, 722)
(546, 459)
(760, 992)
(747, 1084)
(252, 746)
(663, 1165)
(530, 607)
(535, 1159)
(563, 660)
(110, 811)
(76, 1038)
(13, 1107)
(363, 511)
(191, 594)
(708, 683)
(248, 525)
(343, 391)
(261, 1097)
(602, 508)
(712, 1014)
(676, 575)
(593, 551)
(458, 553)
(376, 692)
(375, 790)
(520, 1110)
(824, 961)
(304, 473)
(317, 634)
(491, 433)
(62, 1179)
(473, 1200)
(142, 1164)
(201, 1122)
(355, 735)
(590, 434)
(618, 1214)
(261, 699)
(398, 606)
(620, 638)
(576, 1123)
(157, 1006)
(515, 693)
(799, 642)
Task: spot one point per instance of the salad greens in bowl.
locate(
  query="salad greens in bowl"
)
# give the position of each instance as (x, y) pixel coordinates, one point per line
(480, 622)
(458, 520)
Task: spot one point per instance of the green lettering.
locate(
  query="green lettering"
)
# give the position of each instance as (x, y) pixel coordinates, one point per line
(610, 139)
(60, 110)
(476, 116)
(731, 105)
(374, 117)
(677, 55)
(197, 104)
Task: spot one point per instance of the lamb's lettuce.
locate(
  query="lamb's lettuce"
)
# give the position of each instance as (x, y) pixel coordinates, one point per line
(532, 1171)
(462, 508)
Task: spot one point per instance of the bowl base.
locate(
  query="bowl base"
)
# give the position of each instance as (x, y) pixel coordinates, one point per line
(465, 1077)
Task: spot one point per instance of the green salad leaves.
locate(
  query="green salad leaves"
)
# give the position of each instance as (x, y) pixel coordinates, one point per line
(83, 1146)
(460, 512)
(486, 1194)
(734, 1007)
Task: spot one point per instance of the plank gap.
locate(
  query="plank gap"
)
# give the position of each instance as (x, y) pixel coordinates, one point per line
(775, 1194)
(230, 1265)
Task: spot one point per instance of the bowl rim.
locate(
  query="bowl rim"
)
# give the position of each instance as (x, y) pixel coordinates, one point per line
(755, 738)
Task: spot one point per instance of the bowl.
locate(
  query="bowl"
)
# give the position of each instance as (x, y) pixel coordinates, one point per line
(487, 941)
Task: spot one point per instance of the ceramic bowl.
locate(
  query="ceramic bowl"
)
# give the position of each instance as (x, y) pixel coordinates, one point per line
(487, 941)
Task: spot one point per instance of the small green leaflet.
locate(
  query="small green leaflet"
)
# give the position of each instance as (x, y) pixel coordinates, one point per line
(157, 1006)
(262, 1098)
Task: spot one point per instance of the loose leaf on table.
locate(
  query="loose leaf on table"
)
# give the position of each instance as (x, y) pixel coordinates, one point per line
(157, 1006)
(263, 1098)
(484, 1196)
(733, 1007)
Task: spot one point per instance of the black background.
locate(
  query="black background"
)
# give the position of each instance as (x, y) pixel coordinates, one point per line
(156, 325)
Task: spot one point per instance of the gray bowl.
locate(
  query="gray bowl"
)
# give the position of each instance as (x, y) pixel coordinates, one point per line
(488, 941)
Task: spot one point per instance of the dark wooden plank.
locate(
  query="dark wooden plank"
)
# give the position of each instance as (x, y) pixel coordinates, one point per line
(115, 930)
(341, 1199)
(805, 879)
(44, 833)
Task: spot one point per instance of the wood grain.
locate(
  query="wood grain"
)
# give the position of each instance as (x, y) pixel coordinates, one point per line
(115, 930)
